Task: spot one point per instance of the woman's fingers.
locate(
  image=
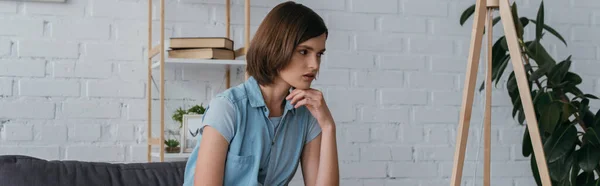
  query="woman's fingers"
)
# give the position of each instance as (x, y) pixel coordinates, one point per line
(306, 101)
(297, 97)
(294, 93)
(301, 102)
(303, 97)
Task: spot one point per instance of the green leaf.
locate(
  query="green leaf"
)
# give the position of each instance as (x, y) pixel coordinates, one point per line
(584, 111)
(499, 61)
(588, 118)
(560, 142)
(596, 123)
(198, 109)
(585, 178)
(558, 170)
(594, 182)
(573, 78)
(524, 21)
(518, 26)
(566, 111)
(512, 83)
(551, 30)
(540, 19)
(521, 117)
(536, 51)
(574, 172)
(498, 52)
(573, 90)
(565, 182)
(526, 147)
(513, 92)
(550, 116)
(516, 108)
(504, 63)
(584, 106)
(548, 110)
(503, 43)
(466, 14)
(540, 72)
(558, 72)
(590, 96)
(592, 136)
(588, 158)
(496, 20)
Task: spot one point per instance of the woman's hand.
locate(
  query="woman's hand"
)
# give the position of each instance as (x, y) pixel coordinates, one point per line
(320, 157)
(314, 101)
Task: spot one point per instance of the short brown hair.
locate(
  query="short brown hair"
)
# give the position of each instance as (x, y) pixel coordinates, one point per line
(285, 26)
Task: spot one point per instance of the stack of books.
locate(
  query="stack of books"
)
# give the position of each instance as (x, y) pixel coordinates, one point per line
(201, 48)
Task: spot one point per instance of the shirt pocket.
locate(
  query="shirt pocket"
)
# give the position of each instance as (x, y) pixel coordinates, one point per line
(239, 170)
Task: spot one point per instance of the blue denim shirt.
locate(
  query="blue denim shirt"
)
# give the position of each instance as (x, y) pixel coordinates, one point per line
(260, 152)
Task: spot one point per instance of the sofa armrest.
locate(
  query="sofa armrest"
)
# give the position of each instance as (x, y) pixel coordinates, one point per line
(19, 170)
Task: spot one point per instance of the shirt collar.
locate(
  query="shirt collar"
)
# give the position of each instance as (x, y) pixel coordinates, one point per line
(256, 98)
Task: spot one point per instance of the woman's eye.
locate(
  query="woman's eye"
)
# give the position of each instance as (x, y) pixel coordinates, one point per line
(303, 52)
(320, 54)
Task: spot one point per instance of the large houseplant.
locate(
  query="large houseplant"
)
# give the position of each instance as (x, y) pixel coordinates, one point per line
(570, 131)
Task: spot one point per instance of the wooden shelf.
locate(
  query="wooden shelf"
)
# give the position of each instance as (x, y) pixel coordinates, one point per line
(157, 53)
(240, 61)
(172, 155)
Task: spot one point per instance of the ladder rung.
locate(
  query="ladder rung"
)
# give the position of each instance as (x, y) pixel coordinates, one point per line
(154, 51)
(154, 141)
(240, 52)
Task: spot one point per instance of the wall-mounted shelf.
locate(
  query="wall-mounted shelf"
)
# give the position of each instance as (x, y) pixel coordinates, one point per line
(240, 60)
(201, 61)
(159, 51)
(181, 155)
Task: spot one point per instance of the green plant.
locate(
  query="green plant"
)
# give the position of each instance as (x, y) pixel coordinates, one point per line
(198, 109)
(570, 131)
(172, 146)
(172, 143)
(179, 112)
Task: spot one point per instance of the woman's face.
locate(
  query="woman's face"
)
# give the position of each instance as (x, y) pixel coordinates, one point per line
(305, 63)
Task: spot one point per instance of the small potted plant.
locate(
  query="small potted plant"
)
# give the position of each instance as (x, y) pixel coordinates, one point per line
(172, 146)
(178, 116)
(180, 112)
(197, 109)
(194, 113)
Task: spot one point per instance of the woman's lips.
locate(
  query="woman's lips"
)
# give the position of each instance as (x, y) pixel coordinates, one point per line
(308, 77)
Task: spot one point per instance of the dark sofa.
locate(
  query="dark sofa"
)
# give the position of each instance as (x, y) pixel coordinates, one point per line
(19, 170)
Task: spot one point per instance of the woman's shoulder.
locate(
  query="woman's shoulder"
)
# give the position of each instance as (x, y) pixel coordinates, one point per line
(233, 94)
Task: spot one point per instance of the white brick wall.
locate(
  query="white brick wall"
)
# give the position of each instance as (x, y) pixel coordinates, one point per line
(73, 81)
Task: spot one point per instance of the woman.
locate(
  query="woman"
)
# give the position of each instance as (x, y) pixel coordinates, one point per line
(257, 133)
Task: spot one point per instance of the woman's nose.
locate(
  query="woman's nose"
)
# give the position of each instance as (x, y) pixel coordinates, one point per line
(313, 62)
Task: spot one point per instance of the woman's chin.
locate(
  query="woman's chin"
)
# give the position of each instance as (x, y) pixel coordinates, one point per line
(302, 85)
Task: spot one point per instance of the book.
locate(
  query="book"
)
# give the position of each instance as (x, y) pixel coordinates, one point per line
(202, 53)
(200, 42)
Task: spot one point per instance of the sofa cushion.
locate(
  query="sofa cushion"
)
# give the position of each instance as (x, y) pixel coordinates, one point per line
(19, 170)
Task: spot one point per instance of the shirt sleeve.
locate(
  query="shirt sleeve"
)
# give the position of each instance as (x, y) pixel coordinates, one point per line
(314, 129)
(220, 114)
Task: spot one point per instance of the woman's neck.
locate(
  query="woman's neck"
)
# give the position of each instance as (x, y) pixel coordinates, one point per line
(274, 96)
